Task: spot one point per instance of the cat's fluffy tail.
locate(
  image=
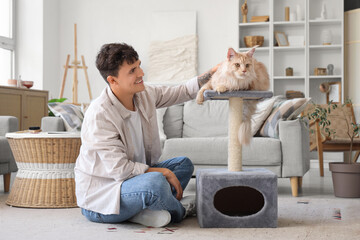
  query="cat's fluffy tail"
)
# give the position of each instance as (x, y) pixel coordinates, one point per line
(244, 134)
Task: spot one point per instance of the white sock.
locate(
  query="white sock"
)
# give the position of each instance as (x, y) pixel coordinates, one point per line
(189, 203)
(152, 218)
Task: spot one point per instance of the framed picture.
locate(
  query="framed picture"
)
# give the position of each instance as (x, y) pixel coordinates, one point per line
(334, 93)
(281, 39)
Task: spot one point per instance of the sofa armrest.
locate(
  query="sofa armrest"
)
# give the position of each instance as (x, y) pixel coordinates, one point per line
(8, 124)
(294, 137)
(49, 124)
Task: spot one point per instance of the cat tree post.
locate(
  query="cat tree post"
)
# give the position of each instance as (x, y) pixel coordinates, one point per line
(234, 147)
(236, 100)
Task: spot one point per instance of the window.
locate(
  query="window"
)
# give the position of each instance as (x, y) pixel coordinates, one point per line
(7, 40)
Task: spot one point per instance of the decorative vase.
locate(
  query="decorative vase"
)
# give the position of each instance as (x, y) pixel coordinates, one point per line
(299, 13)
(326, 37)
(323, 11)
(330, 69)
(293, 16)
(346, 179)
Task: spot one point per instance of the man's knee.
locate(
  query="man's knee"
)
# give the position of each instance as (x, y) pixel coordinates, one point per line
(157, 184)
(187, 162)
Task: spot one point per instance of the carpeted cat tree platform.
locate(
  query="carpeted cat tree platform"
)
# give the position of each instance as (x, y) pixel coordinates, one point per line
(236, 198)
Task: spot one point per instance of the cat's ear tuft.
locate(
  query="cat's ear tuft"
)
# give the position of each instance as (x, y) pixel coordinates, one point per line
(250, 53)
(231, 53)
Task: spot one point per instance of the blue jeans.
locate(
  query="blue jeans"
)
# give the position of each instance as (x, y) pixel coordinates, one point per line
(149, 190)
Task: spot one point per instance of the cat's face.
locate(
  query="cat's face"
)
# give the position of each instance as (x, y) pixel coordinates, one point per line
(241, 64)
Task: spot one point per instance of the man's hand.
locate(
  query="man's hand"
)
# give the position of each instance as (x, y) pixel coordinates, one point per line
(171, 178)
(205, 77)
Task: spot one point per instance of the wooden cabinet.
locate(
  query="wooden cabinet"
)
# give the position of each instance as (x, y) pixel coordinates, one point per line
(29, 106)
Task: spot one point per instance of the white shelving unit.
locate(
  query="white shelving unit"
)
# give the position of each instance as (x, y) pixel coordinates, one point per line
(305, 58)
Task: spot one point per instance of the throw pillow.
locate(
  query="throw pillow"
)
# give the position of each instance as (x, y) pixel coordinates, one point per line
(298, 111)
(160, 112)
(263, 110)
(70, 113)
(282, 110)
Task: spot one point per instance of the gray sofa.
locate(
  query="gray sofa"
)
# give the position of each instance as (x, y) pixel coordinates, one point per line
(7, 161)
(200, 133)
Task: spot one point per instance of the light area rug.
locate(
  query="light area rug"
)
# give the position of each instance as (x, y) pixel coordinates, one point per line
(298, 218)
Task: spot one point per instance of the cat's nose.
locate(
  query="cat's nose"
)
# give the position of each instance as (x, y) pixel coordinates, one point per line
(244, 71)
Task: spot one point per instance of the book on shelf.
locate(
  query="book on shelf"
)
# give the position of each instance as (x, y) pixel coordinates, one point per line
(259, 19)
(290, 94)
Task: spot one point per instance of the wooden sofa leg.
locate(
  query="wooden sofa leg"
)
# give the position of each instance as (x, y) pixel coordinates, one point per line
(294, 181)
(7, 178)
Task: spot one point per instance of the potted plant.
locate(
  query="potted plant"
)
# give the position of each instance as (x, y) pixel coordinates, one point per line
(346, 175)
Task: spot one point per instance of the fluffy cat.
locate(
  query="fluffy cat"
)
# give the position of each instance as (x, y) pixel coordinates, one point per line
(239, 72)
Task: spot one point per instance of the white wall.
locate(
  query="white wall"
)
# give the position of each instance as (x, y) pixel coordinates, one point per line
(104, 21)
(51, 62)
(29, 41)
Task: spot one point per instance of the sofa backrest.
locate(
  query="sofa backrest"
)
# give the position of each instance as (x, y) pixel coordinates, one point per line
(207, 120)
(173, 121)
(193, 120)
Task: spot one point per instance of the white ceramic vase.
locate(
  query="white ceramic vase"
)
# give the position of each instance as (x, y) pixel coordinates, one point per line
(326, 37)
(293, 17)
(299, 13)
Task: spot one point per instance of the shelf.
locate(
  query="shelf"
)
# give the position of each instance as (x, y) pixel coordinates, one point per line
(258, 49)
(254, 24)
(286, 48)
(288, 77)
(306, 52)
(298, 23)
(325, 21)
(324, 76)
(333, 46)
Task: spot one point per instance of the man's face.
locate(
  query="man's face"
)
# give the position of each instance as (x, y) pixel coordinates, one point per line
(129, 79)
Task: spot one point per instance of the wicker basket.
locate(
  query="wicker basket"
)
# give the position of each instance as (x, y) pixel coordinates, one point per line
(46, 172)
(251, 41)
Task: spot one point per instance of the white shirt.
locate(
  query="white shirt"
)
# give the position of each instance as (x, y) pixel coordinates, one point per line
(135, 128)
(106, 156)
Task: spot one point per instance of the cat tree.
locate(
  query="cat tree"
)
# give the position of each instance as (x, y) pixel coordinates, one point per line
(236, 197)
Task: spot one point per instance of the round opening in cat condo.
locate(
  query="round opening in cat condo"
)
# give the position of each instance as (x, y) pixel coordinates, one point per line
(251, 41)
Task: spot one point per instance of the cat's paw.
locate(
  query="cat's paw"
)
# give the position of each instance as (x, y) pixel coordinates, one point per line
(200, 99)
(220, 89)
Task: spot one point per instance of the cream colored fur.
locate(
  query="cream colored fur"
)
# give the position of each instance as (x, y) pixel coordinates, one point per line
(239, 72)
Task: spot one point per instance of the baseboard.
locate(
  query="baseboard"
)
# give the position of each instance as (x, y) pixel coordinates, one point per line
(314, 163)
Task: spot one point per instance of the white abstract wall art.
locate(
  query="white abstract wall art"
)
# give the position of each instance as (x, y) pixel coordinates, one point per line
(173, 61)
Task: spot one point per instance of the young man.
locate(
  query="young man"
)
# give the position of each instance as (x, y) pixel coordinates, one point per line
(117, 173)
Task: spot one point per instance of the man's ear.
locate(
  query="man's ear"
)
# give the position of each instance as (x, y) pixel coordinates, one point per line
(110, 79)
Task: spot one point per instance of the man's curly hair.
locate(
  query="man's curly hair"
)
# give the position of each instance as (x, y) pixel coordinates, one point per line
(111, 56)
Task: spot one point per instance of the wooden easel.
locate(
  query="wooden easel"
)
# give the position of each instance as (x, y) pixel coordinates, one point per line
(75, 66)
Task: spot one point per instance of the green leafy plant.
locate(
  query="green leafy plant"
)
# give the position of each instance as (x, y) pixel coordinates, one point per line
(320, 115)
(51, 114)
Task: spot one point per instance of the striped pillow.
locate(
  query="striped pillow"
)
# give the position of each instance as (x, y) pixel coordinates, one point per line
(281, 110)
(70, 113)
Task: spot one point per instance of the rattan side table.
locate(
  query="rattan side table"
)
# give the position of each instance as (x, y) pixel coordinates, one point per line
(46, 169)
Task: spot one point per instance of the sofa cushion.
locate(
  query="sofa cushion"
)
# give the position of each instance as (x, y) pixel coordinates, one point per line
(207, 120)
(282, 111)
(214, 151)
(70, 113)
(173, 121)
(263, 110)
